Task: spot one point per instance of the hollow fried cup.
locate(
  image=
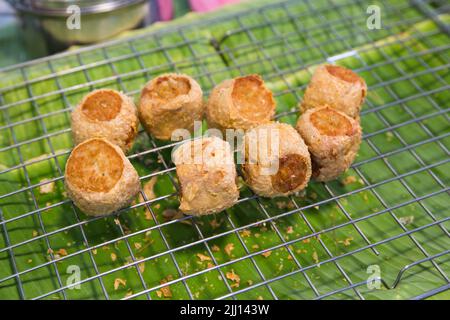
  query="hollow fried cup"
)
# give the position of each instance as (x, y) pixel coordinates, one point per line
(170, 102)
(337, 87)
(207, 176)
(240, 103)
(99, 178)
(277, 161)
(333, 139)
(108, 114)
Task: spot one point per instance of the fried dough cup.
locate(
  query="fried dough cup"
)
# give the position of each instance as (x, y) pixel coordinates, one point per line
(333, 139)
(108, 114)
(337, 87)
(240, 103)
(99, 178)
(275, 172)
(207, 175)
(170, 102)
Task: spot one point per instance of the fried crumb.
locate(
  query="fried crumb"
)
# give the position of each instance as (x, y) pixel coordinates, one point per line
(149, 194)
(119, 282)
(47, 187)
(49, 251)
(245, 233)
(290, 230)
(166, 292)
(113, 257)
(315, 257)
(203, 257)
(159, 293)
(266, 254)
(117, 221)
(215, 224)
(29, 261)
(141, 266)
(209, 265)
(94, 251)
(406, 220)
(215, 248)
(307, 240)
(228, 248)
(346, 242)
(35, 233)
(129, 293)
(234, 278)
(349, 180)
(62, 252)
(137, 245)
(255, 246)
(259, 298)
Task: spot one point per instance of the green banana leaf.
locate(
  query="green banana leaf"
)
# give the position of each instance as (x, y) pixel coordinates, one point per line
(368, 217)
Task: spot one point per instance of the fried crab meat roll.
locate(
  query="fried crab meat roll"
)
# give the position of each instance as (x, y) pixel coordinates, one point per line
(276, 160)
(99, 178)
(170, 102)
(108, 114)
(240, 103)
(337, 87)
(333, 139)
(207, 176)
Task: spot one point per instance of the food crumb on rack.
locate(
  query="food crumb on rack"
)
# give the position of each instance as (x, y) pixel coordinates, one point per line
(214, 223)
(290, 230)
(228, 248)
(149, 193)
(137, 245)
(234, 277)
(62, 252)
(113, 257)
(129, 293)
(348, 180)
(166, 292)
(266, 254)
(203, 257)
(119, 282)
(259, 298)
(245, 233)
(346, 242)
(35, 233)
(46, 187)
(406, 220)
(315, 257)
(215, 248)
(141, 265)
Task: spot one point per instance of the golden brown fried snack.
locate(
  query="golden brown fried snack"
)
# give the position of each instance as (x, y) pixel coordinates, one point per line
(333, 139)
(169, 102)
(207, 175)
(99, 178)
(108, 114)
(240, 103)
(292, 169)
(337, 87)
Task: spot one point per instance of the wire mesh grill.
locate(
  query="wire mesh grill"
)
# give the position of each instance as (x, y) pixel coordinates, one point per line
(389, 211)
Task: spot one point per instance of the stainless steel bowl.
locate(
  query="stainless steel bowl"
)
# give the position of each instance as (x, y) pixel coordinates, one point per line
(100, 20)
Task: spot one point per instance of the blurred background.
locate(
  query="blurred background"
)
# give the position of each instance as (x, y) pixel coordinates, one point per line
(30, 29)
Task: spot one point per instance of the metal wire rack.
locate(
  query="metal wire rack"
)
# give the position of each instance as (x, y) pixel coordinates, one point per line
(406, 134)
